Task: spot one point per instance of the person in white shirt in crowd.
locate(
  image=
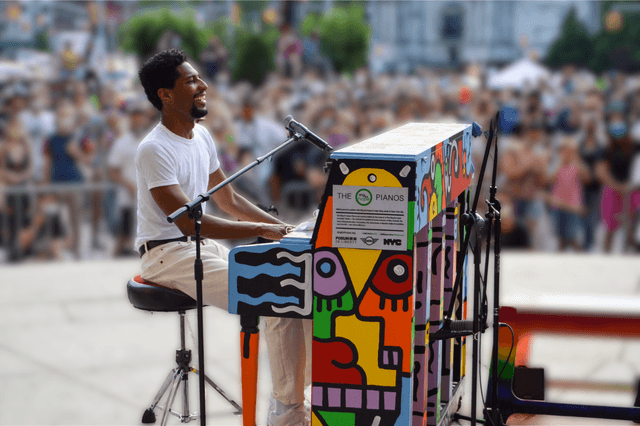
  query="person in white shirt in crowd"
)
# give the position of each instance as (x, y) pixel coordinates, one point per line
(39, 122)
(122, 171)
(257, 135)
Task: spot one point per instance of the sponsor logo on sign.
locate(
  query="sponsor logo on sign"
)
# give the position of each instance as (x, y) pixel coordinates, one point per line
(392, 242)
(369, 240)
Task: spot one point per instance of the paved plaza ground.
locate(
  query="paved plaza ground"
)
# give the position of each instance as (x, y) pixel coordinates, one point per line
(73, 351)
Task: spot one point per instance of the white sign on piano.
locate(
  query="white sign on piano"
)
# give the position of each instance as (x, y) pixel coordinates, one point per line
(370, 217)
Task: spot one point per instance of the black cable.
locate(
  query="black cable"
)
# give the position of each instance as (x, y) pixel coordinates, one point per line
(513, 341)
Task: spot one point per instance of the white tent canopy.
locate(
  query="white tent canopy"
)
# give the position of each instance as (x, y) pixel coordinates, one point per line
(519, 75)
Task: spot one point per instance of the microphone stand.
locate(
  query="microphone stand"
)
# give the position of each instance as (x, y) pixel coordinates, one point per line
(493, 214)
(473, 222)
(194, 211)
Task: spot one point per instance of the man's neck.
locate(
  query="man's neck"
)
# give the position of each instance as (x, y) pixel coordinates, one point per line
(179, 126)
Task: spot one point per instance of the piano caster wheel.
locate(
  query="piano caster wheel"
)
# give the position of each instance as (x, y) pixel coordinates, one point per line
(149, 416)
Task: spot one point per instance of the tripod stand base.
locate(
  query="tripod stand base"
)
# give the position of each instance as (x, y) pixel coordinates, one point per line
(450, 409)
(494, 416)
(149, 416)
(179, 377)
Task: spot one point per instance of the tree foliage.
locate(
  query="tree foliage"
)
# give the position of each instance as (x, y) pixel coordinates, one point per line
(344, 35)
(255, 53)
(610, 48)
(574, 45)
(618, 49)
(141, 33)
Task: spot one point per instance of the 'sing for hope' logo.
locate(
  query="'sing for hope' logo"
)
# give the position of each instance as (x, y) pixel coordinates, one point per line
(364, 197)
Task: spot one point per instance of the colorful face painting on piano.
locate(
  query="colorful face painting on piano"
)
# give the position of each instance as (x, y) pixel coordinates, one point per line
(362, 299)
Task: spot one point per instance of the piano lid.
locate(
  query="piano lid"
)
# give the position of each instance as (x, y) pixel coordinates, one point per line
(405, 143)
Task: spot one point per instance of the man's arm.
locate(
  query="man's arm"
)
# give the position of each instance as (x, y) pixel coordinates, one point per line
(235, 204)
(170, 198)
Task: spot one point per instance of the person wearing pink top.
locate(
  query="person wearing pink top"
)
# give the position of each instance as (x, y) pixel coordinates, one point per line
(566, 200)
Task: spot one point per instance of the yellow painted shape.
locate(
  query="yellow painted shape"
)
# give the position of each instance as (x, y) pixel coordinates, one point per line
(365, 336)
(463, 360)
(359, 263)
(315, 421)
(360, 177)
(433, 207)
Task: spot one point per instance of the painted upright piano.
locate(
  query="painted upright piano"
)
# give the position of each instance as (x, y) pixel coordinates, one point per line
(374, 270)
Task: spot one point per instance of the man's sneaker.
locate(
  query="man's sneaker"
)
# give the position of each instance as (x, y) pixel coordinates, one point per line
(298, 415)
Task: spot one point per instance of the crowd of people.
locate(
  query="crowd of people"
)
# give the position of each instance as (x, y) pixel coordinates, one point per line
(569, 169)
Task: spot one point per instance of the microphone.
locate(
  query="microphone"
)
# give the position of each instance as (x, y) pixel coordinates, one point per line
(294, 126)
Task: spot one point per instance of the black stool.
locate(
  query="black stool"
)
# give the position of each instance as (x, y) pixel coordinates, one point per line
(152, 297)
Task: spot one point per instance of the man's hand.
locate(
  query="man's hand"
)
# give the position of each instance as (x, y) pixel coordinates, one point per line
(275, 231)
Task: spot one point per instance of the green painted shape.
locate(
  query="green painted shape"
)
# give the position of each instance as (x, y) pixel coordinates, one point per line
(323, 318)
(335, 418)
(410, 216)
(438, 188)
(507, 373)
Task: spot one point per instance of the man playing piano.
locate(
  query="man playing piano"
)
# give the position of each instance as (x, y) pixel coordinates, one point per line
(175, 163)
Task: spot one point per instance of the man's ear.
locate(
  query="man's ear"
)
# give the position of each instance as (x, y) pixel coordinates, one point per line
(165, 95)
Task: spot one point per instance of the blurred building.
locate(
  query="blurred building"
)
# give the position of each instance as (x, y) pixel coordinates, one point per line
(407, 34)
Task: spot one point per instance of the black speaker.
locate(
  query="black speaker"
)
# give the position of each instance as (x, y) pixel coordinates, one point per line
(528, 383)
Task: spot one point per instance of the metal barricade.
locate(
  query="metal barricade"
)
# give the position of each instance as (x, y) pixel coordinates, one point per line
(21, 202)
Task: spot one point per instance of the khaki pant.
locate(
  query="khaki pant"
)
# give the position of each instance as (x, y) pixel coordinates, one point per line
(288, 340)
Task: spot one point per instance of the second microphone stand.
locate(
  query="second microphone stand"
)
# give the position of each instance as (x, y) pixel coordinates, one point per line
(474, 224)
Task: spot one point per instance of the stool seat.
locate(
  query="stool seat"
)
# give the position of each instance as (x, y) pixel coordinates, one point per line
(153, 297)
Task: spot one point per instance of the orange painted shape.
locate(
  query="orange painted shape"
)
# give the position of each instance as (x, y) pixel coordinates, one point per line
(397, 325)
(249, 374)
(523, 349)
(326, 225)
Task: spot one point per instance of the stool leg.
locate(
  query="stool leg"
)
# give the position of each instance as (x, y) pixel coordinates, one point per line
(149, 415)
(186, 415)
(177, 379)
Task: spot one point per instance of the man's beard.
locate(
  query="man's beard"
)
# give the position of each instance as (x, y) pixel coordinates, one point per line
(198, 112)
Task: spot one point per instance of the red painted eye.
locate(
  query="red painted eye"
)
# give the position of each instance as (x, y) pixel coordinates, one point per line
(394, 276)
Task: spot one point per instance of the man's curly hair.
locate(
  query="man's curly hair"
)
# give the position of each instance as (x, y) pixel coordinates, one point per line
(161, 72)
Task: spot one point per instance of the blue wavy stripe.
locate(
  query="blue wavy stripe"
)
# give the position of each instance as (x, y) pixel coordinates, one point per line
(249, 272)
(267, 298)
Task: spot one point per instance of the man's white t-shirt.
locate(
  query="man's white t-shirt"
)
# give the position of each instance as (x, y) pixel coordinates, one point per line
(164, 158)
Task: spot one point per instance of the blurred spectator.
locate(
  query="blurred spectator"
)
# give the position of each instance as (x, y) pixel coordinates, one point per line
(16, 96)
(220, 124)
(591, 152)
(509, 112)
(312, 55)
(64, 154)
(94, 141)
(122, 171)
(70, 62)
(257, 136)
(16, 170)
(289, 52)
(525, 165)
(214, 57)
(614, 172)
(514, 235)
(566, 200)
(38, 120)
